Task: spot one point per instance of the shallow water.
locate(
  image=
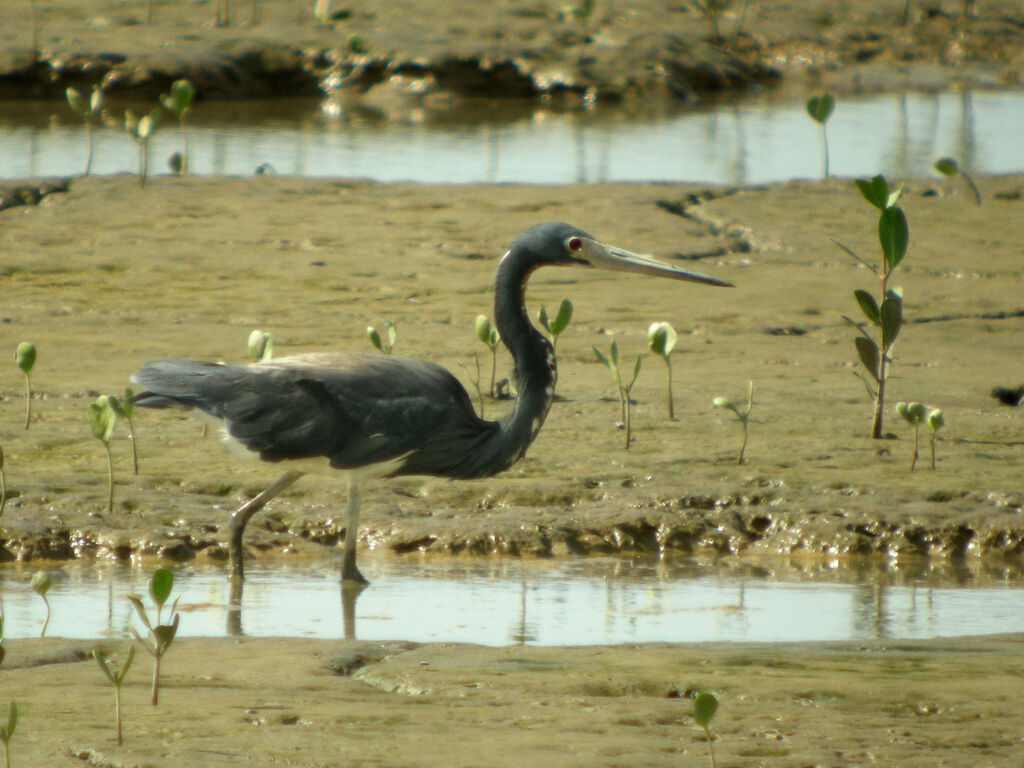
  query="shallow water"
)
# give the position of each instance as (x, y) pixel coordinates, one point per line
(754, 141)
(569, 602)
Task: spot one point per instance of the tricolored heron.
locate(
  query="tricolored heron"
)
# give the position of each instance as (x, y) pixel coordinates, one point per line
(383, 416)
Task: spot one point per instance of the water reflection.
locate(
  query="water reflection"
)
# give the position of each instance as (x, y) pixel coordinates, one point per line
(570, 602)
(750, 142)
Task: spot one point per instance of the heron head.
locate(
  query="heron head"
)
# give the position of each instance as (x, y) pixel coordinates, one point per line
(555, 243)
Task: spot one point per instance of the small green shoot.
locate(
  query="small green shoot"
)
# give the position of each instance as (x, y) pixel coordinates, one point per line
(260, 345)
(705, 705)
(178, 102)
(820, 109)
(559, 324)
(490, 337)
(661, 338)
(7, 730)
(935, 422)
(611, 362)
(25, 357)
(102, 418)
(158, 636)
(41, 583)
(386, 342)
(115, 673)
(86, 109)
(893, 236)
(126, 409)
(949, 168)
(914, 414)
(141, 129)
(742, 415)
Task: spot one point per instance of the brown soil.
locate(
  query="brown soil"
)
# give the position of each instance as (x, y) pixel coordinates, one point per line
(103, 276)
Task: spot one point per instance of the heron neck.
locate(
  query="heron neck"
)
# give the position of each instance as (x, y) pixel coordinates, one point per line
(535, 372)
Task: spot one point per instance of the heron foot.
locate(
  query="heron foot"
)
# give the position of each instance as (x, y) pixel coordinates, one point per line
(351, 576)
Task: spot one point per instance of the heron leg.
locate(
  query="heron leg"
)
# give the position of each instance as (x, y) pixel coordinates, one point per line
(240, 517)
(349, 572)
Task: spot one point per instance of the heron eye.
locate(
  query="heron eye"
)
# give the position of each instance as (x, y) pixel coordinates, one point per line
(574, 243)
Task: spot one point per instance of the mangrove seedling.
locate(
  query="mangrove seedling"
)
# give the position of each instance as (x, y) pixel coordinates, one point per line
(661, 338)
(260, 345)
(820, 109)
(86, 109)
(115, 673)
(158, 636)
(141, 129)
(935, 422)
(7, 730)
(949, 168)
(102, 418)
(386, 342)
(178, 101)
(611, 362)
(41, 583)
(124, 409)
(705, 704)
(559, 324)
(742, 415)
(25, 357)
(913, 414)
(893, 235)
(490, 337)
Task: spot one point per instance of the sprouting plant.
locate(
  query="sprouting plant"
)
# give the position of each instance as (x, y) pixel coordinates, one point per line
(260, 345)
(894, 236)
(102, 418)
(115, 673)
(705, 704)
(949, 167)
(713, 10)
(935, 422)
(661, 338)
(742, 415)
(3, 502)
(125, 409)
(178, 101)
(86, 109)
(475, 380)
(820, 109)
(141, 129)
(490, 338)
(41, 583)
(611, 362)
(386, 343)
(913, 414)
(559, 324)
(158, 636)
(7, 730)
(25, 357)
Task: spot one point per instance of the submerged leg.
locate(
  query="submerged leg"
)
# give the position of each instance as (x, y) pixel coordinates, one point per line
(349, 572)
(240, 517)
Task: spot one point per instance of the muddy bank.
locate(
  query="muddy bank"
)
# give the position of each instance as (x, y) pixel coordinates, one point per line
(950, 702)
(640, 51)
(101, 284)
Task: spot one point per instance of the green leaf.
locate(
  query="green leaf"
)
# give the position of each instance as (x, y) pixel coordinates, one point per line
(867, 350)
(875, 191)
(483, 329)
(542, 318)
(128, 404)
(820, 107)
(77, 101)
(600, 356)
(95, 99)
(661, 338)
(41, 582)
(868, 305)
(947, 166)
(613, 350)
(163, 635)
(891, 319)
(141, 610)
(102, 662)
(25, 356)
(894, 235)
(563, 317)
(7, 729)
(102, 419)
(372, 335)
(705, 704)
(725, 403)
(160, 586)
(636, 369)
(180, 97)
(131, 122)
(935, 420)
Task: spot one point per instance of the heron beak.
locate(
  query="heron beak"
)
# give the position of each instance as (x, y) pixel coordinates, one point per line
(604, 256)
